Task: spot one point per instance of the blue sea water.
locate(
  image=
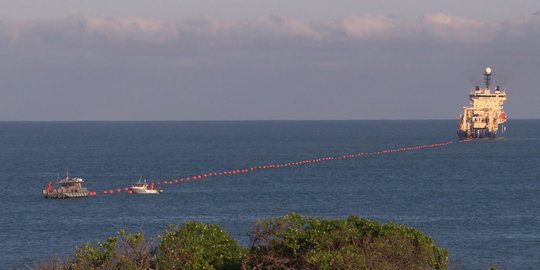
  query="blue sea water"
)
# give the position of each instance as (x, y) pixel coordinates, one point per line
(480, 200)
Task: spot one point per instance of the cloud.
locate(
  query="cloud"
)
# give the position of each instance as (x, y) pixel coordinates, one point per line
(436, 27)
(286, 26)
(352, 67)
(368, 26)
(135, 28)
(128, 28)
(447, 28)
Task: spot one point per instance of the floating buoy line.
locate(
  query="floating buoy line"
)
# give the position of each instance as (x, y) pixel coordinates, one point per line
(252, 169)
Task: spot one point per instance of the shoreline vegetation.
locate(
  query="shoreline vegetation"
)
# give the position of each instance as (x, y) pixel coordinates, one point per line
(288, 242)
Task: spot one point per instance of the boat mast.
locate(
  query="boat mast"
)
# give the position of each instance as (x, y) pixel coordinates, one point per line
(487, 75)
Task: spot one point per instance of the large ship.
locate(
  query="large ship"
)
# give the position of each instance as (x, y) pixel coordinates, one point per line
(484, 117)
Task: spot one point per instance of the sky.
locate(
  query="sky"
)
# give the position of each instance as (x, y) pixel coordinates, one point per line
(263, 60)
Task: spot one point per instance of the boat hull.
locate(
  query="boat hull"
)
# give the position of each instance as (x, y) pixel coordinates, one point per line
(145, 191)
(55, 194)
(482, 133)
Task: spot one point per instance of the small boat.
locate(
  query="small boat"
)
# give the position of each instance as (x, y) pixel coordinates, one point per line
(144, 188)
(69, 188)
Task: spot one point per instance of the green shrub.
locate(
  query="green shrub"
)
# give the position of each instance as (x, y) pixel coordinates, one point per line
(288, 242)
(198, 246)
(296, 242)
(125, 251)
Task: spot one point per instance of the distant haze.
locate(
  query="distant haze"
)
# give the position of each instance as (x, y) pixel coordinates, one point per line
(195, 62)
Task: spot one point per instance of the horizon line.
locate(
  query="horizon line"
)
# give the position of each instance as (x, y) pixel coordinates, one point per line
(248, 120)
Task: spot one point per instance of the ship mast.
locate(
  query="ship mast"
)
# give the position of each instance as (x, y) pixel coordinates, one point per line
(487, 77)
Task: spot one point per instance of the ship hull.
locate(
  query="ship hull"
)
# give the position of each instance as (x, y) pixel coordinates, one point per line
(64, 195)
(482, 133)
(144, 190)
(147, 191)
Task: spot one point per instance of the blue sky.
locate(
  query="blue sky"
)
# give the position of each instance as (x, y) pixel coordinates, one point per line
(245, 60)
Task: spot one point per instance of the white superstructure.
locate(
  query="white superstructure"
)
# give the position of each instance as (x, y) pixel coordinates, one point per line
(485, 116)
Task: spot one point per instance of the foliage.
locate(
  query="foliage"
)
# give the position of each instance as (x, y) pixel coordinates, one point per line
(198, 246)
(125, 251)
(296, 242)
(288, 242)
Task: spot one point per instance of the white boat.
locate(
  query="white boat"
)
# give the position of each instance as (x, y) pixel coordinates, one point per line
(144, 188)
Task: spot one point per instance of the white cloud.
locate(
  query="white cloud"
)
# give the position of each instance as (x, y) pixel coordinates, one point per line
(128, 28)
(292, 27)
(447, 28)
(368, 26)
(437, 27)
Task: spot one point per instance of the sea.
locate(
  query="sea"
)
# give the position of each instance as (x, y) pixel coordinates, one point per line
(480, 199)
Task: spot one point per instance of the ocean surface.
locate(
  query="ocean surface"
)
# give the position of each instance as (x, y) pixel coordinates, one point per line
(480, 200)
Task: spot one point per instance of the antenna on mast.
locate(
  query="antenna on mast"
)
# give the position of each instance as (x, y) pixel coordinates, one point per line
(487, 75)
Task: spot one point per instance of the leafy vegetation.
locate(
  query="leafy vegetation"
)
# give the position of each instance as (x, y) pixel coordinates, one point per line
(296, 242)
(288, 242)
(125, 251)
(198, 246)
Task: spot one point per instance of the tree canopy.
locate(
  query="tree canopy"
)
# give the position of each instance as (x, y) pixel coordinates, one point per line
(288, 242)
